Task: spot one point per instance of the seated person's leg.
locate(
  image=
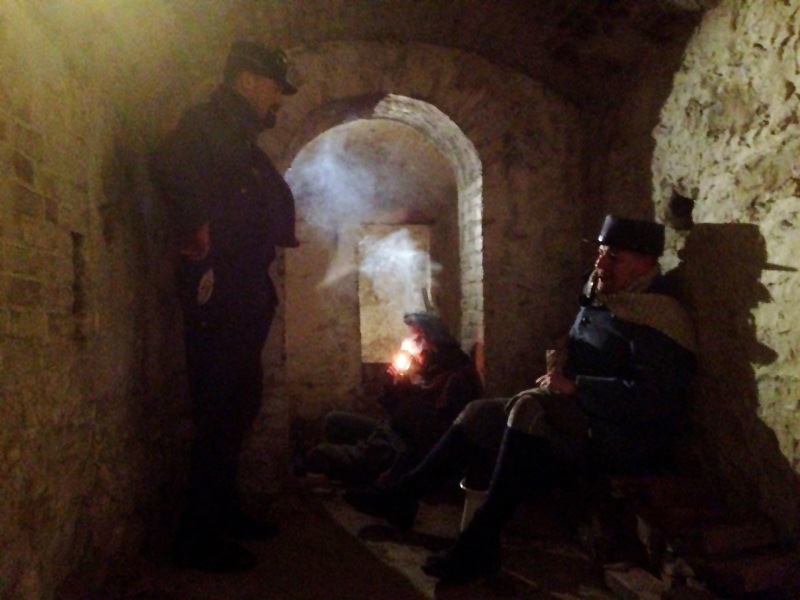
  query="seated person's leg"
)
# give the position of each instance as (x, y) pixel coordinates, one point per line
(352, 453)
(484, 422)
(454, 453)
(348, 428)
(525, 463)
(341, 462)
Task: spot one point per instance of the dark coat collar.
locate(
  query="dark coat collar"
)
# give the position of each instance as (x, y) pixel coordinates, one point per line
(233, 104)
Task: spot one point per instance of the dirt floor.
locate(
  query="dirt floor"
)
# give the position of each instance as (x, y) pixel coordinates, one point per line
(540, 562)
(328, 551)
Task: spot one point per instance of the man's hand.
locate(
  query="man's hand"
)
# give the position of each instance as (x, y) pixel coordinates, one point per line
(557, 383)
(394, 372)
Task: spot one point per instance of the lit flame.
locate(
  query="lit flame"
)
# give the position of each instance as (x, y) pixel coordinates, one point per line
(402, 361)
(410, 349)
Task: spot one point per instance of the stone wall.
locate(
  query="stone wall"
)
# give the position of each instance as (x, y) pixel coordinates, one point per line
(87, 383)
(728, 139)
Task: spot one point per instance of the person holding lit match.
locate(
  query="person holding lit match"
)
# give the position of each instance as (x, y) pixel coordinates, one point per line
(429, 382)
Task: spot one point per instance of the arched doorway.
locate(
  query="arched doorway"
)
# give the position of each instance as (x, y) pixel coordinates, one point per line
(375, 194)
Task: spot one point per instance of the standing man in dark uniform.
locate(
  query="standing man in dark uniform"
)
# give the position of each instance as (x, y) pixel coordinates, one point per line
(229, 209)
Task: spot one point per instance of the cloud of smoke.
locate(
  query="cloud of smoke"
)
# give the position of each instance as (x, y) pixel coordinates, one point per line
(359, 172)
(347, 178)
(332, 187)
(398, 269)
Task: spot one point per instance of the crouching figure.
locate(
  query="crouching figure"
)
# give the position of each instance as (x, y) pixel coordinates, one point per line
(427, 387)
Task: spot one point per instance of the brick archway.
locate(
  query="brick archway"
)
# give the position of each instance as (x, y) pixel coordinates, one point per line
(463, 158)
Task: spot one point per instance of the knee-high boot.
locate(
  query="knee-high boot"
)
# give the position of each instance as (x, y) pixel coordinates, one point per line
(523, 464)
(398, 502)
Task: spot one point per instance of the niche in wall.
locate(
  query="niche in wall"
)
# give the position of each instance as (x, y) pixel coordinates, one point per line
(365, 180)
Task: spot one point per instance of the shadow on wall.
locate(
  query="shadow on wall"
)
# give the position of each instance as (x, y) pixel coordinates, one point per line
(134, 228)
(719, 280)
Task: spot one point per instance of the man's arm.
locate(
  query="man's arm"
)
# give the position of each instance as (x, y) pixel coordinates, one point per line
(659, 375)
(180, 169)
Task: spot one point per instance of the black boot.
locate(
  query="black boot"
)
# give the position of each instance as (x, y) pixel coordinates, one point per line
(475, 554)
(205, 548)
(388, 503)
(398, 503)
(524, 461)
(240, 526)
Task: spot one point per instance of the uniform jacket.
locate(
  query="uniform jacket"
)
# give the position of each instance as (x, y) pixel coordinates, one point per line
(211, 170)
(632, 380)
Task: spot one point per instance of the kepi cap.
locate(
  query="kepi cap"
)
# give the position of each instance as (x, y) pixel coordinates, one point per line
(251, 56)
(644, 237)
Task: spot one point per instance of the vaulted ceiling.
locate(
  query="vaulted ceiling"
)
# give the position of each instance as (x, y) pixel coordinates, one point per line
(584, 49)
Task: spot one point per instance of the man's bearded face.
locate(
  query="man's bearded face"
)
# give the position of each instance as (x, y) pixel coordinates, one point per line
(266, 98)
(617, 269)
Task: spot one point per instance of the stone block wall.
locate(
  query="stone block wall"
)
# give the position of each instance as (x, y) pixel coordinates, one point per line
(48, 310)
(324, 350)
(87, 377)
(728, 139)
(533, 245)
(531, 240)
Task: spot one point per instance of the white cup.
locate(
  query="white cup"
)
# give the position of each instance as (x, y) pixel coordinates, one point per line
(472, 500)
